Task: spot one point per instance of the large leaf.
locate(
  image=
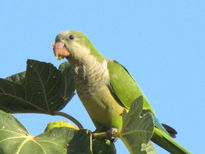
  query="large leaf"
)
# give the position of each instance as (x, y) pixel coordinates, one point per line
(137, 129)
(38, 90)
(42, 84)
(81, 143)
(103, 146)
(14, 138)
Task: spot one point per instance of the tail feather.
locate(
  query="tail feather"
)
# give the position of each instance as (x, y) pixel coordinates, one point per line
(172, 132)
(165, 141)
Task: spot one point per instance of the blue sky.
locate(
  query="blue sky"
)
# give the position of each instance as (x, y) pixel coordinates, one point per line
(161, 43)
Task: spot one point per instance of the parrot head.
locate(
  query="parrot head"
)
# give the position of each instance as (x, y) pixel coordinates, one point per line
(74, 45)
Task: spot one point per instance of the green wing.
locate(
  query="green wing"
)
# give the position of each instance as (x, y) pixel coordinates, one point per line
(125, 90)
(123, 87)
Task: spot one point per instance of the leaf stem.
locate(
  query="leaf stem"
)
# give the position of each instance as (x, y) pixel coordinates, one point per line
(104, 134)
(99, 135)
(75, 121)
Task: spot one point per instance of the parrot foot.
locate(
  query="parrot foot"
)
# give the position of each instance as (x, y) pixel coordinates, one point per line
(111, 134)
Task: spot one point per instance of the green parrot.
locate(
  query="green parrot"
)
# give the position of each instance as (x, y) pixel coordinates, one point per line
(106, 88)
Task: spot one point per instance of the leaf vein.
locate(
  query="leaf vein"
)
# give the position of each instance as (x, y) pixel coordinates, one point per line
(25, 101)
(43, 88)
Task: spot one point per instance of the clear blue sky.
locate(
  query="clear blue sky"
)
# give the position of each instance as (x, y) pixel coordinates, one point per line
(161, 43)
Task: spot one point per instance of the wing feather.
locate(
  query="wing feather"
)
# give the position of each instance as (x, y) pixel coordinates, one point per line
(123, 87)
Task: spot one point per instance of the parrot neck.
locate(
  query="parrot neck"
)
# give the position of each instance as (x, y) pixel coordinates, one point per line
(90, 75)
(84, 55)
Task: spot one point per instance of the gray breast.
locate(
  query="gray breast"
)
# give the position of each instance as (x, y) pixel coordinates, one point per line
(90, 77)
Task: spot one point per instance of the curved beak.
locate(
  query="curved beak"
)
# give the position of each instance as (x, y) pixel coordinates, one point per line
(60, 51)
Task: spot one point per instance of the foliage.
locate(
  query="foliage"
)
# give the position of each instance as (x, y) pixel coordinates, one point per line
(137, 129)
(14, 138)
(42, 88)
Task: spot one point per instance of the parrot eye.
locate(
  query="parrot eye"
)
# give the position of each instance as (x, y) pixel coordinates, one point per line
(71, 37)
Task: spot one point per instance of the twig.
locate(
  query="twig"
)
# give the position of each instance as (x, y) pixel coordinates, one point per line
(99, 135)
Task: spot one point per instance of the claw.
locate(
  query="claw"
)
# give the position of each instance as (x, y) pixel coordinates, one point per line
(111, 134)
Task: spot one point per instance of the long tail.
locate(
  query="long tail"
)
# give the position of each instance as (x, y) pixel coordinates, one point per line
(166, 142)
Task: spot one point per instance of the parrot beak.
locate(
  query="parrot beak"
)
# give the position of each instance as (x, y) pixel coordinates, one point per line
(60, 51)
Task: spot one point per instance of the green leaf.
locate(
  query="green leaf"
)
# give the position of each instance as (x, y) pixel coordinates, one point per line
(81, 143)
(57, 124)
(12, 96)
(15, 139)
(149, 148)
(137, 128)
(38, 90)
(103, 146)
(67, 88)
(42, 84)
